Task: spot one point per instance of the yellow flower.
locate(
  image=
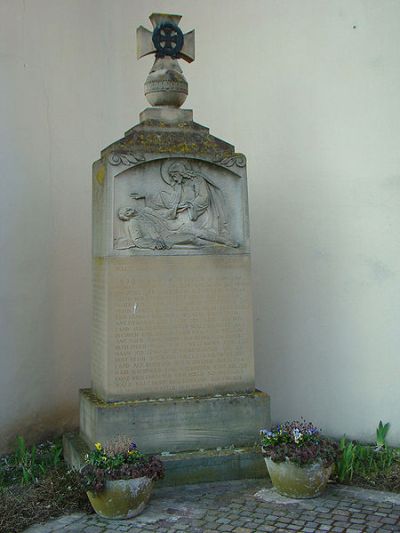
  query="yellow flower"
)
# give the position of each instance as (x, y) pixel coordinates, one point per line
(104, 457)
(98, 446)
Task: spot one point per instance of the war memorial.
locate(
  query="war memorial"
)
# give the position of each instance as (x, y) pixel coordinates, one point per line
(172, 351)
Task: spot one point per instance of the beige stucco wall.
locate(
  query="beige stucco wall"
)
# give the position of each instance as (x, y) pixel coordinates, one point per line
(309, 90)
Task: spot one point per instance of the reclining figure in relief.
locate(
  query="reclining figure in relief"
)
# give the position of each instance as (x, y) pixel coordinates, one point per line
(190, 213)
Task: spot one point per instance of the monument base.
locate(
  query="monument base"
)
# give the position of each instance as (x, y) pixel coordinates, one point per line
(209, 438)
(189, 467)
(177, 424)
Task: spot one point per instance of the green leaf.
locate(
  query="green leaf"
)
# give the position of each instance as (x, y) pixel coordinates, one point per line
(381, 434)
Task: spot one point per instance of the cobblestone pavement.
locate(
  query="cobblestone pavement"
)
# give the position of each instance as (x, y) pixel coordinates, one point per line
(246, 507)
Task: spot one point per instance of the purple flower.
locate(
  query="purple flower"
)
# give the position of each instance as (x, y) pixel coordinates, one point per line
(132, 446)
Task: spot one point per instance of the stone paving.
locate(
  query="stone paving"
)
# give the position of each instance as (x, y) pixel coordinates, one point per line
(246, 507)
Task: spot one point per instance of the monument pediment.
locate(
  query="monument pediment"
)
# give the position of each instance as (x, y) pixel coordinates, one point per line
(179, 137)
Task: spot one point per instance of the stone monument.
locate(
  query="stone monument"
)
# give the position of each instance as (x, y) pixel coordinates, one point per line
(172, 354)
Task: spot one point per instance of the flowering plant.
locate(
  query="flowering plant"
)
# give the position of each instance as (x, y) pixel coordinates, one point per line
(298, 442)
(118, 459)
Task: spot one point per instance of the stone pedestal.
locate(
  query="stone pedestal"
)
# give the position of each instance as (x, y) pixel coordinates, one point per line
(176, 424)
(198, 466)
(172, 354)
(208, 438)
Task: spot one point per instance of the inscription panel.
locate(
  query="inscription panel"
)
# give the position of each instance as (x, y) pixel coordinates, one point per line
(179, 325)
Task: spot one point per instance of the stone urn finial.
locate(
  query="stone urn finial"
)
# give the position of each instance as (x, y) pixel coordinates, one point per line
(165, 85)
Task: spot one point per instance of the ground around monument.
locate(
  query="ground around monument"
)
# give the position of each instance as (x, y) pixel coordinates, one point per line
(246, 507)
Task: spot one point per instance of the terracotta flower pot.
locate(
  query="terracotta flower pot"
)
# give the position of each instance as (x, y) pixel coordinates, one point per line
(122, 498)
(296, 481)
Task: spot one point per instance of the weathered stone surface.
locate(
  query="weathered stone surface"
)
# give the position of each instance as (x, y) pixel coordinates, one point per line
(213, 465)
(171, 326)
(160, 136)
(189, 467)
(179, 424)
(150, 204)
(175, 205)
(75, 450)
(166, 114)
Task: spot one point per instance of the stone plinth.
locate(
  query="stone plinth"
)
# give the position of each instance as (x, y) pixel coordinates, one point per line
(189, 467)
(177, 424)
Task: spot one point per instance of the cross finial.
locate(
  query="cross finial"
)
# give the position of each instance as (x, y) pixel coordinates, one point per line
(166, 39)
(165, 85)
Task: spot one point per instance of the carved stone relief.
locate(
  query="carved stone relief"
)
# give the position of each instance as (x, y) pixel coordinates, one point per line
(184, 208)
(230, 160)
(126, 158)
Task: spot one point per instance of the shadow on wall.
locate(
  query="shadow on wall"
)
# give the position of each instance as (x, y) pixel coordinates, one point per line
(39, 428)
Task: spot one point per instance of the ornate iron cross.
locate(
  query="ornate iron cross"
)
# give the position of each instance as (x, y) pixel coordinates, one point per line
(166, 39)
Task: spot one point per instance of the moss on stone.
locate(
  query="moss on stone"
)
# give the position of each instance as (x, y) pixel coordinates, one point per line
(122, 498)
(154, 136)
(93, 398)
